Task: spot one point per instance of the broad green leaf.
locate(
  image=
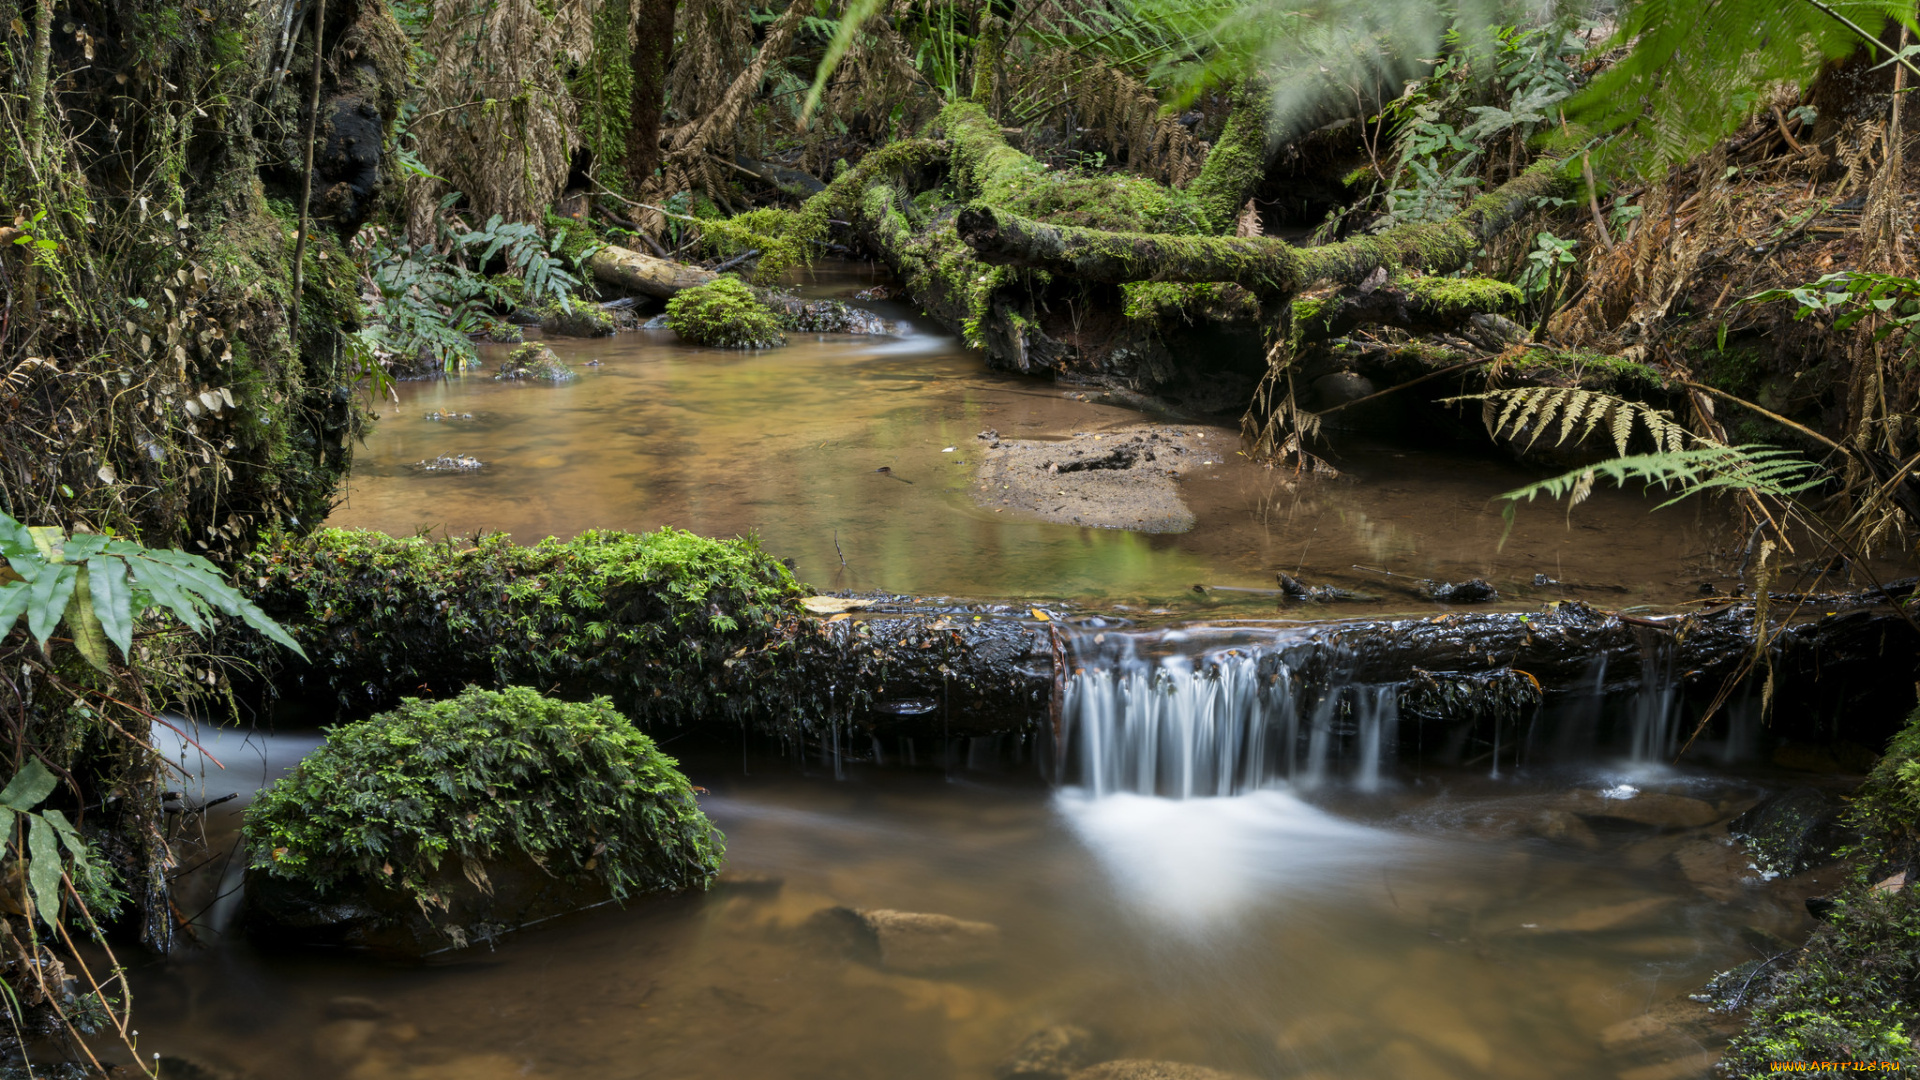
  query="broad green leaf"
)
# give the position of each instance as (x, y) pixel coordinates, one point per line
(69, 835)
(14, 596)
(162, 581)
(14, 538)
(32, 784)
(84, 625)
(51, 589)
(112, 599)
(260, 621)
(43, 869)
(47, 540)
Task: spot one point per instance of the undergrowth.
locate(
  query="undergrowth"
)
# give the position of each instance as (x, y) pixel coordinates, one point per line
(724, 314)
(460, 783)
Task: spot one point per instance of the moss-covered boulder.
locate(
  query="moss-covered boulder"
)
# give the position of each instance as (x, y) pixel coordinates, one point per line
(724, 314)
(575, 318)
(534, 363)
(443, 822)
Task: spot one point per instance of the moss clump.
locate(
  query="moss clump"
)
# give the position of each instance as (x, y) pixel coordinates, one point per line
(575, 318)
(724, 314)
(481, 778)
(1589, 368)
(534, 362)
(675, 627)
(1465, 296)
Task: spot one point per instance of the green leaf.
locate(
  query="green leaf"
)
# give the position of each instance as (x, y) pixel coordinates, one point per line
(43, 869)
(84, 625)
(51, 589)
(163, 582)
(14, 538)
(112, 599)
(69, 835)
(32, 784)
(14, 596)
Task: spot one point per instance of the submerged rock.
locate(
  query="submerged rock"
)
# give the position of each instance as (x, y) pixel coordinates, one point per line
(1648, 808)
(1052, 1053)
(1127, 1069)
(575, 318)
(906, 940)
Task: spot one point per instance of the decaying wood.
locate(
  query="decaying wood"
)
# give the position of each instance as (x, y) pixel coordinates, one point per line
(644, 274)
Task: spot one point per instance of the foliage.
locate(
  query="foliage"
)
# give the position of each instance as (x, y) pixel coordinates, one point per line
(98, 586)
(1696, 69)
(1756, 470)
(668, 623)
(483, 776)
(724, 314)
(46, 832)
(1890, 303)
(1548, 264)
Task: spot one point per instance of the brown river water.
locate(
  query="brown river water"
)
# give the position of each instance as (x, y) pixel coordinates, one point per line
(1428, 928)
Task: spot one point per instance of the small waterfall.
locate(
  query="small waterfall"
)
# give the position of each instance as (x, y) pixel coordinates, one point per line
(1222, 723)
(1655, 709)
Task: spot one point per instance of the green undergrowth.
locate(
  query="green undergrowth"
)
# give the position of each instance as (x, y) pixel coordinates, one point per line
(1588, 368)
(1853, 992)
(724, 314)
(676, 628)
(454, 785)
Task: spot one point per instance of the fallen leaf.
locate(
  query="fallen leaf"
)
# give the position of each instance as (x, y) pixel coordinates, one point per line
(1040, 615)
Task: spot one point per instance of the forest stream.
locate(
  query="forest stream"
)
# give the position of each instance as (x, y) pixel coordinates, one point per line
(1343, 910)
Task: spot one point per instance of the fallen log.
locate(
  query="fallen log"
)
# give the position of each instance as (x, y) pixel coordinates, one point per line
(381, 617)
(644, 274)
(1262, 263)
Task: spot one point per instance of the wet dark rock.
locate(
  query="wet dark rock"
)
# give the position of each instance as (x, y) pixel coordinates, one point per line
(534, 362)
(1294, 589)
(576, 319)
(834, 317)
(1340, 388)
(451, 463)
(1152, 1070)
(1052, 1053)
(1564, 827)
(1791, 830)
(907, 941)
(1471, 591)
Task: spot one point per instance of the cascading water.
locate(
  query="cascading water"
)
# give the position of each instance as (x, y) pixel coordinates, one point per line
(1220, 723)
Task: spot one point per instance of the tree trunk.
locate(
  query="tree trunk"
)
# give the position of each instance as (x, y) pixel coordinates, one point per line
(652, 52)
(1238, 161)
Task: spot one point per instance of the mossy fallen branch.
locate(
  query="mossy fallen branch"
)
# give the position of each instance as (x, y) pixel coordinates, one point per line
(1002, 236)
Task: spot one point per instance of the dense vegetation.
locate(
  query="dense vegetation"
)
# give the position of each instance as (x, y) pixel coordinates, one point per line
(1666, 241)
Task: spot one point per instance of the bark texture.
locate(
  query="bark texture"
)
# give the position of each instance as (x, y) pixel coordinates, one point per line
(652, 54)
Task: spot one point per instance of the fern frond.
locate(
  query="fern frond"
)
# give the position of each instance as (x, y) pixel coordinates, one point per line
(1536, 407)
(1754, 469)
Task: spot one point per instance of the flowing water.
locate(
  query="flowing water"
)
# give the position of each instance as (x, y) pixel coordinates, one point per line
(1226, 866)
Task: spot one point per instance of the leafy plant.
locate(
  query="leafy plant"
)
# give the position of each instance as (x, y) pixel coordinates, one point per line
(1757, 470)
(1532, 409)
(1890, 301)
(98, 586)
(1547, 264)
(46, 832)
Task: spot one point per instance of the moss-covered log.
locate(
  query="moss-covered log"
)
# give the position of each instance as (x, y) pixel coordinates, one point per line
(1004, 237)
(1421, 305)
(1238, 160)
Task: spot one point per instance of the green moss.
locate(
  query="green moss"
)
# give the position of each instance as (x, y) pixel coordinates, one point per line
(675, 627)
(1236, 163)
(534, 362)
(1465, 296)
(569, 317)
(479, 778)
(724, 314)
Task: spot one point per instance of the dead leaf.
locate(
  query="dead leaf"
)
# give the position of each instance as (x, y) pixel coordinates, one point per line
(1040, 615)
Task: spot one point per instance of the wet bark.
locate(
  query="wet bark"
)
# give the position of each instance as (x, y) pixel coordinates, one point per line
(644, 274)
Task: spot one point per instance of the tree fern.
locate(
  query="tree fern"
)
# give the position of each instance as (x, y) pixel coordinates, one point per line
(1531, 411)
(1697, 69)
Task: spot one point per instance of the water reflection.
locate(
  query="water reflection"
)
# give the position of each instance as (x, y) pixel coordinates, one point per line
(787, 442)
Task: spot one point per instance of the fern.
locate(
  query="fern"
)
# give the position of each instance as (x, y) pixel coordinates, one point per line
(1698, 68)
(1531, 410)
(1754, 469)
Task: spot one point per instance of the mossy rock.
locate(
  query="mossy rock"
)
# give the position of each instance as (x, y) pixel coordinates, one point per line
(443, 822)
(724, 314)
(575, 318)
(534, 362)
